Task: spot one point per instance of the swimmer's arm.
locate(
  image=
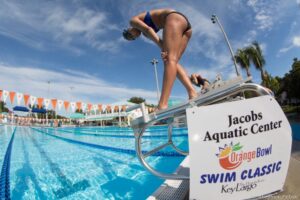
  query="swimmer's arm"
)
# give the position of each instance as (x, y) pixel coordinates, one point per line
(135, 22)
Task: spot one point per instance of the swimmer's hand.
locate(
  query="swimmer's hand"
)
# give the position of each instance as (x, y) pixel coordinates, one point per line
(164, 55)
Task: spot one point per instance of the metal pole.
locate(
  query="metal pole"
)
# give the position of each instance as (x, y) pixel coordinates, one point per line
(68, 112)
(48, 98)
(154, 62)
(215, 19)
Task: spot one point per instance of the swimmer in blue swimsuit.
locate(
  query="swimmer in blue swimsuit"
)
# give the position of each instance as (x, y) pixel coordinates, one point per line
(197, 80)
(177, 31)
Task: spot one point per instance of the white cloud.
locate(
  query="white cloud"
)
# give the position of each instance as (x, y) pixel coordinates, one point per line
(293, 43)
(267, 14)
(47, 25)
(251, 3)
(74, 86)
(285, 49)
(296, 41)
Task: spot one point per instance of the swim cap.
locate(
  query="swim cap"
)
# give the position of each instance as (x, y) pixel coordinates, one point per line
(127, 35)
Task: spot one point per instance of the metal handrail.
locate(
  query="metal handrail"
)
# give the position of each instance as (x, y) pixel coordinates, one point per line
(180, 110)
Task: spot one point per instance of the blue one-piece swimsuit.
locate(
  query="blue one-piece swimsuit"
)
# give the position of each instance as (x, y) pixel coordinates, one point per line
(149, 22)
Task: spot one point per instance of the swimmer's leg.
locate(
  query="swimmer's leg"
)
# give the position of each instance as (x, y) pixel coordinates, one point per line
(181, 73)
(174, 46)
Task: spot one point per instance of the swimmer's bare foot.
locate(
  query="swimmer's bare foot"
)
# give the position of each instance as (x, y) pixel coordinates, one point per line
(160, 107)
(193, 94)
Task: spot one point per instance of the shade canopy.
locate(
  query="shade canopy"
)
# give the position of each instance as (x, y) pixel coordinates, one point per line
(20, 108)
(37, 110)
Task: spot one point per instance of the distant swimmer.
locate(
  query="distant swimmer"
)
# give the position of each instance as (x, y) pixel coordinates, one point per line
(199, 81)
(177, 32)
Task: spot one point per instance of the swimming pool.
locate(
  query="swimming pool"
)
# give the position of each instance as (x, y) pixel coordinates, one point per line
(81, 163)
(296, 131)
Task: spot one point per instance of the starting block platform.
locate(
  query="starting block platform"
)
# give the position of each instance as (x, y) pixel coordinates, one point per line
(239, 147)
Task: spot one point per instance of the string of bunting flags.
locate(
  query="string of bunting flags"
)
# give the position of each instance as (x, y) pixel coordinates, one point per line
(56, 104)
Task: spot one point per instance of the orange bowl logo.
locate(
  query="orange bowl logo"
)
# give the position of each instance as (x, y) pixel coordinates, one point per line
(225, 159)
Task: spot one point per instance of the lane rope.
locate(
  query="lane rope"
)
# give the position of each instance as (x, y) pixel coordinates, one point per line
(114, 149)
(4, 177)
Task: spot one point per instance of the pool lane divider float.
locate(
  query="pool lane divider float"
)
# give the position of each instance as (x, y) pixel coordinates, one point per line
(113, 149)
(4, 177)
(67, 187)
(129, 130)
(120, 136)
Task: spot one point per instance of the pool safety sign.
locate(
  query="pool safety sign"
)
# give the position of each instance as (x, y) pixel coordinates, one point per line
(238, 150)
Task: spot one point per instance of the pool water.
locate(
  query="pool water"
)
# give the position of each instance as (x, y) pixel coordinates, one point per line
(81, 163)
(296, 131)
(84, 163)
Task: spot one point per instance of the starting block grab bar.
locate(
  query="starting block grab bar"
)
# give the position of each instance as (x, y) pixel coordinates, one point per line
(221, 92)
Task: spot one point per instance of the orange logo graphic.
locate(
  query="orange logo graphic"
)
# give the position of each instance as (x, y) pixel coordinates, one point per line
(225, 156)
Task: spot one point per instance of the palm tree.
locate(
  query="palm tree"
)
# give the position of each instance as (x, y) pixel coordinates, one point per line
(242, 58)
(256, 56)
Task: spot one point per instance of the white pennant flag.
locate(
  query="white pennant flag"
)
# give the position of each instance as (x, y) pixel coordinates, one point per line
(73, 106)
(32, 100)
(59, 104)
(84, 105)
(95, 107)
(5, 95)
(19, 98)
(46, 103)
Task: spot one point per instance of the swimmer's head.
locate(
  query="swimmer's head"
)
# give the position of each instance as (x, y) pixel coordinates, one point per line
(131, 33)
(194, 79)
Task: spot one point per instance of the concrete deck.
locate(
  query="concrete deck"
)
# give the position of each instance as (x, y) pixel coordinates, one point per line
(172, 189)
(291, 189)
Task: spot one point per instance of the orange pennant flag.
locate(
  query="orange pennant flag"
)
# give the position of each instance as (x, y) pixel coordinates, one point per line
(26, 99)
(40, 102)
(124, 108)
(66, 104)
(78, 105)
(100, 107)
(89, 106)
(54, 102)
(0, 95)
(108, 108)
(12, 97)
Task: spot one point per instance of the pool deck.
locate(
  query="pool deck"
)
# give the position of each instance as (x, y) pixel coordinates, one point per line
(177, 189)
(291, 187)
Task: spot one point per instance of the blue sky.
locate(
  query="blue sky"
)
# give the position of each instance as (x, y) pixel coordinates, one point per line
(78, 45)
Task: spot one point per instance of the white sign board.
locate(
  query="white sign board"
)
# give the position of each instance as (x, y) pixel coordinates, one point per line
(238, 150)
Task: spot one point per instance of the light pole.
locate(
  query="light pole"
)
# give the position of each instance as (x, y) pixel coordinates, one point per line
(215, 19)
(154, 62)
(67, 111)
(71, 89)
(48, 98)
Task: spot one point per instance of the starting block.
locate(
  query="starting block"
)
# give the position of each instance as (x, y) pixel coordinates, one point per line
(239, 148)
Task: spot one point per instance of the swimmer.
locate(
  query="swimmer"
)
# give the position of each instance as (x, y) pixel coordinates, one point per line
(199, 81)
(177, 32)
